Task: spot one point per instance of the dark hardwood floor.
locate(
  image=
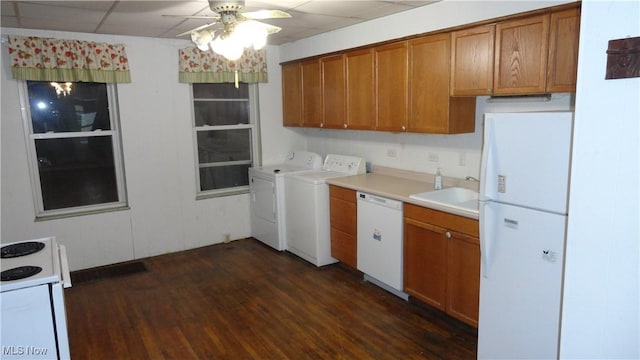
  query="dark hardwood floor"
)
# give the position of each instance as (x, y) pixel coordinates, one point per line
(243, 300)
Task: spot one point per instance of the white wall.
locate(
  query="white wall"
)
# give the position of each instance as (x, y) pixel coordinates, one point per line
(458, 155)
(155, 113)
(601, 307)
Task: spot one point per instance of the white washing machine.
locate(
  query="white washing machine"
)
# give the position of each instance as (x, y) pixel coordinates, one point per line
(307, 202)
(267, 196)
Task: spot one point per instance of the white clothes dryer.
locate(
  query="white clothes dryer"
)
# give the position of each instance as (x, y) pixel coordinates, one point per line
(266, 185)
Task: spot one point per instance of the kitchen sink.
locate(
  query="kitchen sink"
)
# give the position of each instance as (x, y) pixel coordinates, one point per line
(454, 197)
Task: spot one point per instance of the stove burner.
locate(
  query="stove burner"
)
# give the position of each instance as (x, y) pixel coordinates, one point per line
(20, 272)
(21, 249)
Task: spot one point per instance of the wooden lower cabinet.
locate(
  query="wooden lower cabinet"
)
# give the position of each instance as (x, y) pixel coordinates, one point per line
(425, 263)
(442, 261)
(344, 225)
(463, 277)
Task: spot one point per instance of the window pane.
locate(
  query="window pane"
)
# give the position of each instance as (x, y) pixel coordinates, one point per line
(76, 171)
(221, 112)
(220, 91)
(224, 145)
(220, 177)
(85, 108)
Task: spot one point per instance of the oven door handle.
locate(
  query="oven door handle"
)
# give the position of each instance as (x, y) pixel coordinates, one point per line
(64, 263)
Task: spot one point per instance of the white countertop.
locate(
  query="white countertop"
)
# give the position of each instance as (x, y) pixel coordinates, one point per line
(400, 184)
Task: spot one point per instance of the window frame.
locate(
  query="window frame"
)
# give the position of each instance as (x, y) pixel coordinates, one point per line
(34, 172)
(254, 134)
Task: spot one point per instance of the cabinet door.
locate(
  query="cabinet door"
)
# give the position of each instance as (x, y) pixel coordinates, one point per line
(333, 92)
(291, 95)
(563, 51)
(472, 61)
(521, 56)
(429, 85)
(391, 86)
(343, 219)
(360, 89)
(463, 277)
(311, 94)
(425, 262)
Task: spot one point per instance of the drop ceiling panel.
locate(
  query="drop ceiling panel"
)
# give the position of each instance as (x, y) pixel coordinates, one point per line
(145, 18)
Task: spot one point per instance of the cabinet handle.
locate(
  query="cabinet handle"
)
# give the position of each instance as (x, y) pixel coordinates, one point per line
(404, 128)
(447, 235)
(321, 125)
(345, 126)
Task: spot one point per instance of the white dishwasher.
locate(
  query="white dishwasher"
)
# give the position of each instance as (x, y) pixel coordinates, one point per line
(380, 242)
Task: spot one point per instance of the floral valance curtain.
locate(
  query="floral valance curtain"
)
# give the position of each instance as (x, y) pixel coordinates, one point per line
(47, 59)
(198, 66)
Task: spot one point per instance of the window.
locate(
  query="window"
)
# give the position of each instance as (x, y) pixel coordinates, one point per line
(74, 147)
(224, 133)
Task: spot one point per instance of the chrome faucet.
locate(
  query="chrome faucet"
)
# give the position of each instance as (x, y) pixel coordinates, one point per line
(472, 179)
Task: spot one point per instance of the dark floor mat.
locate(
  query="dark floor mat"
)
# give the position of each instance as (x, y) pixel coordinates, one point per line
(105, 272)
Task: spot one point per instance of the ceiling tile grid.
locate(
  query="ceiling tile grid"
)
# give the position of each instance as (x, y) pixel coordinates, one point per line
(147, 18)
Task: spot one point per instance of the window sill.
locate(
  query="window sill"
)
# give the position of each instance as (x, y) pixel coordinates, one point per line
(45, 217)
(204, 196)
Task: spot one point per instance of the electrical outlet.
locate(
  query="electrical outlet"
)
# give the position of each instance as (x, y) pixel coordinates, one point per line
(391, 152)
(433, 157)
(462, 158)
(227, 238)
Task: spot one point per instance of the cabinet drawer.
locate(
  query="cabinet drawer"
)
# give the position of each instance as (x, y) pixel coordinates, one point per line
(342, 193)
(343, 216)
(344, 247)
(445, 220)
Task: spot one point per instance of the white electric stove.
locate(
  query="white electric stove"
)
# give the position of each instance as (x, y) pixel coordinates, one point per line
(34, 325)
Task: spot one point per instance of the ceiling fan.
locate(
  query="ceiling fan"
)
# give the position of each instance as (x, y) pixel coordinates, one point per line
(227, 14)
(236, 29)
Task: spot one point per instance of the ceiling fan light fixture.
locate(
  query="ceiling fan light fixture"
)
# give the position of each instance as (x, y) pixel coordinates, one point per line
(202, 39)
(251, 34)
(239, 29)
(228, 47)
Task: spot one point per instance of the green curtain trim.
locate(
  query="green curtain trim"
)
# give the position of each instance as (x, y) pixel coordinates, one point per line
(221, 77)
(72, 75)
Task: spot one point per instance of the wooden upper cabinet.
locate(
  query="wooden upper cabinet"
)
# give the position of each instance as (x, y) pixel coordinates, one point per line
(391, 86)
(361, 112)
(291, 95)
(333, 92)
(431, 109)
(521, 56)
(311, 94)
(472, 61)
(564, 36)
(429, 85)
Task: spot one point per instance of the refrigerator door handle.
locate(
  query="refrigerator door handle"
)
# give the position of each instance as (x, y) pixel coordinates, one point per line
(486, 237)
(487, 157)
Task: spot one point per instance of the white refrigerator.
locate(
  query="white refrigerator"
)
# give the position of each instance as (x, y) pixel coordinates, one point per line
(523, 214)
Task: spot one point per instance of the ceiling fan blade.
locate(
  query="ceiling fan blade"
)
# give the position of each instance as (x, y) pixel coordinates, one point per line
(265, 14)
(210, 17)
(272, 29)
(197, 29)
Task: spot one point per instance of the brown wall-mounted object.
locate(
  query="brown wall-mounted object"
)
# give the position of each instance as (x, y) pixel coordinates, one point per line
(623, 58)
